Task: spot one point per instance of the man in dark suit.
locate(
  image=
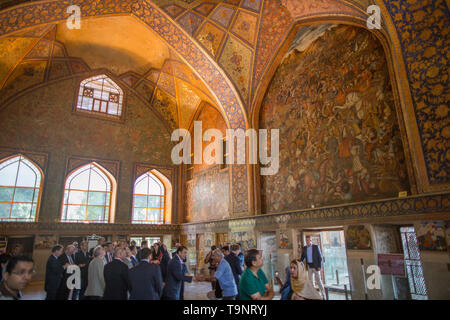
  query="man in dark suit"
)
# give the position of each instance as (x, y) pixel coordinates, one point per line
(65, 260)
(109, 252)
(82, 259)
(175, 275)
(164, 262)
(133, 258)
(145, 279)
(311, 253)
(53, 273)
(235, 264)
(117, 282)
(144, 244)
(133, 243)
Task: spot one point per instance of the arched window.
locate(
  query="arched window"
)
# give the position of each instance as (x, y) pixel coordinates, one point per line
(88, 195)
(100, 95)
(20, 189)
(148, 199)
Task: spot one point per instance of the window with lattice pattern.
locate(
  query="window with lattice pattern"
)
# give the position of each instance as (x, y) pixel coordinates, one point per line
(20, 188)
(148, 200)
(87, 195)
(100, 95)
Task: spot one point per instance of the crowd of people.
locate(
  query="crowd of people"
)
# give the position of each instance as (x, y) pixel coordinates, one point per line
(124, 271)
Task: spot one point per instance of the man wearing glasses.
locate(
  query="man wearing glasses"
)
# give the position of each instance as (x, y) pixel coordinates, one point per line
(17, 276)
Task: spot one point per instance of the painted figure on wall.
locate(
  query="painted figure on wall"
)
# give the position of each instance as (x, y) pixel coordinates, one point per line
(44, 242)
(431, 236)
(245, 238)
(285, 241)
(340, 140)
(207, 194)
(191, 243)
(208, 240)
(358, 237)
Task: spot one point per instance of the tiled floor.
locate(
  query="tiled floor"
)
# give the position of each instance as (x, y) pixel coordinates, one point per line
(193, 291)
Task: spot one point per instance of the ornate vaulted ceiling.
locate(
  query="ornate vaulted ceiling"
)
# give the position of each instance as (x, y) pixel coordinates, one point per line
(241, 36)
(122, 46)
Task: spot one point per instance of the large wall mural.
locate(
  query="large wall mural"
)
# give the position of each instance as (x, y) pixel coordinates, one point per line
(207, 196)
(339, 136)
(207, 193)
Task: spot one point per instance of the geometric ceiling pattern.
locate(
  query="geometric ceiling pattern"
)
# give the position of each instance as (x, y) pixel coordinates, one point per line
(227, 31)
(243, 35)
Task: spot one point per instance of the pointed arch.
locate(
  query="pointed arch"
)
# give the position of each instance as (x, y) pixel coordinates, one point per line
(21, 183)
(397, 74)
(89, 195)
(152, 199)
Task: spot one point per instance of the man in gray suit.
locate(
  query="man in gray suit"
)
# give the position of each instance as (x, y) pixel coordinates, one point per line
(145, 279)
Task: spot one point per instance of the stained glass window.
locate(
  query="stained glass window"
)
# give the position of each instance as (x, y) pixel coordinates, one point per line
(100, 95)
(20, 187)
(148, 200)
(87, 195)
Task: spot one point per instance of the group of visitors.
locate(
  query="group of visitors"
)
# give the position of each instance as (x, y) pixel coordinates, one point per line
(122, 271)
(118, 271)
(231, 280)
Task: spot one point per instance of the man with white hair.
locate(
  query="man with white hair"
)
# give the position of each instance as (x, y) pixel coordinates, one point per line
(65, 260)
(224, 275)
(96, 280)
(76, 248)
(117, 281)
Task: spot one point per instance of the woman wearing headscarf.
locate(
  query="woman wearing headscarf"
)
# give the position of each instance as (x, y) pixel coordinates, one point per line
(301, 286)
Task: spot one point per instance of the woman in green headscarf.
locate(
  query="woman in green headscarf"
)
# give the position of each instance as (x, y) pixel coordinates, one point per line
(301, 286)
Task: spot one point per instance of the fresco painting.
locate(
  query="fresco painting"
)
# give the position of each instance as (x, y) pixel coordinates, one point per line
(431, 236)
(339, 135)
(358, 237)
(285, 239)
(207, 194)
(46, 241)
(247, 239)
